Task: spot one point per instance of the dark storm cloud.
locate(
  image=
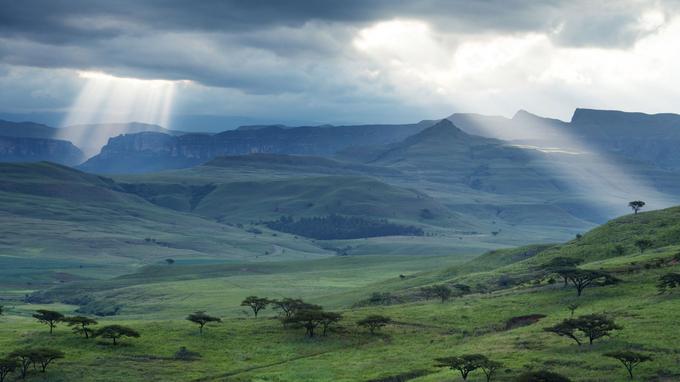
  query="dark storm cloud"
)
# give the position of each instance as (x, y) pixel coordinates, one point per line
(272, 46)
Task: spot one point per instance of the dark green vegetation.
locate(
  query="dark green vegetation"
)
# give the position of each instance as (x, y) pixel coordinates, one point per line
(334, 227)
(492, 326)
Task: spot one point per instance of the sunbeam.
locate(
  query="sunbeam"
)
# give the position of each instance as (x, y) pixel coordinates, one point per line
(105, 99)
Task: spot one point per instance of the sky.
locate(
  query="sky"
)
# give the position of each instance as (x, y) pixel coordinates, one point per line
(207, 64)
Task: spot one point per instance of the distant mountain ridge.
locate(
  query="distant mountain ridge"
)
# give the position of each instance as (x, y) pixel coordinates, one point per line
(149, 151)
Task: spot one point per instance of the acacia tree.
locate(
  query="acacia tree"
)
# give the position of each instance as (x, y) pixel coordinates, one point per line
(441, 291)
(255, 303)
(7, 365)
(596, 326)
(489, 368)
(629, 359)
(581, 278)
(202, 318)
(559, 264)
(80, 324)
(23, 357)
(48, 317)
(593, 326)
(636, 205)
(308, 319)
(1, 311)
(465, 364)
(374, 322)
(328, 319)
(643, 245)
(566, 328)
(115, 332)
(45, 356)
(668, 281)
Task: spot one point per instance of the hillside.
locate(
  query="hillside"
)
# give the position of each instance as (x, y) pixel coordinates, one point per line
(505, 321)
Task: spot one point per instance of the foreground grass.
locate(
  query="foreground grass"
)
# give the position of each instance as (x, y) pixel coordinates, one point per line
(248, 349)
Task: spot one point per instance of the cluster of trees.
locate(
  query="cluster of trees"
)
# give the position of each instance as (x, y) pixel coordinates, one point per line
(337, 227)
(23, 359)
(468, 363)
(294, 312)
(81, 325)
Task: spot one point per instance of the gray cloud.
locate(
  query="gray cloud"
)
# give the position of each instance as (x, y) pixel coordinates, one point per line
(298, 52)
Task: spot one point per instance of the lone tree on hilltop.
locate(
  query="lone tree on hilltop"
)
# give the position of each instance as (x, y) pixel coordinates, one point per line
(202, 318)
(115, 332)
(374, 322)
(667, 282)
(80, 324)
(541, 376)
(255, 303)
(643, 245)
(636, 205)
(581, 278)
(629, 359)
(7, 365)
(48, 317)
(465, 364)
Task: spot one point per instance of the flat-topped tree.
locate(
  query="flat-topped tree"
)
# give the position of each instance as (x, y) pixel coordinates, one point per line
(581, 278)
(115, 332)
(636, 205)
(45, 356)
(558, 264)
(596, 326)
(465, 364)
(629, 359)
(667, 282)
(255, 303)
(374, 322)
(308, 319)
(48, 317)
(566, 328)
(328, 319)
(202, 318)
(489, 368)
(593, 326)
(81, 324)
(7, 365)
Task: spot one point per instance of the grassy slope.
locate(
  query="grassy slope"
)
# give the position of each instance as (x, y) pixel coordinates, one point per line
(244, 349)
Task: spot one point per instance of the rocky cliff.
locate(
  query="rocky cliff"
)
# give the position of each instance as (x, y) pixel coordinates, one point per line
(21, 149)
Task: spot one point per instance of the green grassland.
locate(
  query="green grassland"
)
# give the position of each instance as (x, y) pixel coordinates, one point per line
(155, 299)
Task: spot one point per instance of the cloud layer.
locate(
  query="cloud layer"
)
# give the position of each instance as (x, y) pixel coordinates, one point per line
(349, 61)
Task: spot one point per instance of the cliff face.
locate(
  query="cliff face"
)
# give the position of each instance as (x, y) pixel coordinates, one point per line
(21, 149)
(151, 151)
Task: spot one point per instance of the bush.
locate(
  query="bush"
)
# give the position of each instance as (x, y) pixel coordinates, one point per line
(336, 227)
